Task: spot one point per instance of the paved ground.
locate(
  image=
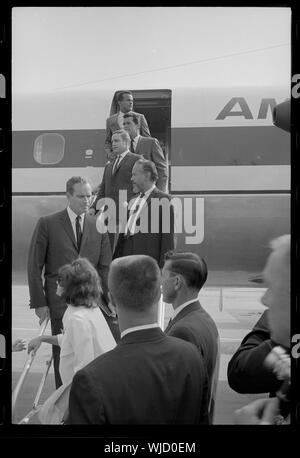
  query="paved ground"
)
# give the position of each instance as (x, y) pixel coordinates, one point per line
(235, 316)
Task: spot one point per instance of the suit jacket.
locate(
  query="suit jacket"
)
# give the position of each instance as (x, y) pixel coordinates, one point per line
(150, 243)
(195, 325)
(112, 125)
(246, 371)
(52, 245)
(148, 378)
(150, 148)
(112, 183)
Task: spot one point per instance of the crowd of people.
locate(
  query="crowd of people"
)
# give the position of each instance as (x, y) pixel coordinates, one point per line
(99, 275)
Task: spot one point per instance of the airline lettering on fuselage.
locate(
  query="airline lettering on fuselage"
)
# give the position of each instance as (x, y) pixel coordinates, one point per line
(245, 111)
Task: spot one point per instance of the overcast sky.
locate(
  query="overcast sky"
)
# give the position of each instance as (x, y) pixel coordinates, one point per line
(96, 47)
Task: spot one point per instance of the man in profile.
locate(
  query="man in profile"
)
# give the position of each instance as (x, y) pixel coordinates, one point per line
(59, 239)
(115, 122)
(148, 147)
(148, 378)
(276, 276)
(150, 226)
(183, 276)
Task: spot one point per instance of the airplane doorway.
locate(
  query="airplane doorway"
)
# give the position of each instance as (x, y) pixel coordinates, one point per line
(155, 105)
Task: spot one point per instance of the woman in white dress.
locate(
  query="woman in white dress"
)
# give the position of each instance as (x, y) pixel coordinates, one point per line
(86, 333)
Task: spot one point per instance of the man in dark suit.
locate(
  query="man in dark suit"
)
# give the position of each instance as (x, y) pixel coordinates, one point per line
(115, 122)
(150, 226)
(148, 378)
(183, 276)
(58, 239)
(246, 370)
(148, 147)
(116, 182)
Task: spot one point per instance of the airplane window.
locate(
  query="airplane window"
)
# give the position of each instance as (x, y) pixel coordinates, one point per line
(49, 148)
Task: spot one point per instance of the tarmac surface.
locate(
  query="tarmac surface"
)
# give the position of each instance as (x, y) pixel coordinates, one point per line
(235, 313)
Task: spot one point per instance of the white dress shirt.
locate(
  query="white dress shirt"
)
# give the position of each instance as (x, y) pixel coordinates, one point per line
(139, 328)
(86, 336)
(182, 306)
(133, 216)
(73, 217)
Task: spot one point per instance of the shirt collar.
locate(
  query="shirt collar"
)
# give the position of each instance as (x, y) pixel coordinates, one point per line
(148, 192)
(182, 306)
(73, 215)
(135, 139)
(122, 155)
(139, 328)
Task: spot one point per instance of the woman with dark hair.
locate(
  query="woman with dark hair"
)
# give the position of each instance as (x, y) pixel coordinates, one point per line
(86, 333)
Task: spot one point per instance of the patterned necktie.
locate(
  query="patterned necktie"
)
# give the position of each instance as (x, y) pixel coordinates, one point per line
(78, 231)
(117, 162)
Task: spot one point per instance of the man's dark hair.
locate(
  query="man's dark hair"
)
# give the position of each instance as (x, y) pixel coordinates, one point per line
(72, 181)
(192, 267)
(120, 95)
(148, 166)
(135, 282)
(132, 115)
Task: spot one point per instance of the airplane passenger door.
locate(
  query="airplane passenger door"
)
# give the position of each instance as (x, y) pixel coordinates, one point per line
(155, 105)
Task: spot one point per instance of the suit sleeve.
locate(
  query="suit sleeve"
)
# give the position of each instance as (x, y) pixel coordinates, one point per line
(107, 143)
(85, 402)
(167, 236)
(104, 261)
(161, 165)
(36, 261)
(144, 129)
(246, 371)
(101, 192)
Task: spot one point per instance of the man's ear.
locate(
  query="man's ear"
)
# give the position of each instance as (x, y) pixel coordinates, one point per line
(178, 282)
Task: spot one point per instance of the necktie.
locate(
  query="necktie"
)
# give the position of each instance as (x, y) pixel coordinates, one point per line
(117, 162)
(132, 146)
(78, 231)
(132, 216)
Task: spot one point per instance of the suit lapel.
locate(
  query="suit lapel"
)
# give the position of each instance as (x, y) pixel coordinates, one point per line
(123, 161)
(86, 230)
(188, 309)
(66, 223)
(138, 145)
(109, 172)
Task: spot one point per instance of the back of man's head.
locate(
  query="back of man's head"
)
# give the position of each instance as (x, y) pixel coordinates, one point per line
(190, 266)
(134, 283)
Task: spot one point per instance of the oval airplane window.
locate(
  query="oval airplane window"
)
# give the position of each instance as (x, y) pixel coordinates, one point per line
(49, 149)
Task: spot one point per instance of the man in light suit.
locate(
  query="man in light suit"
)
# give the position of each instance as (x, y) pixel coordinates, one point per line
(150, 226)
(115, 122)
(116, 178)
(183, 276)
(148, 378)
(148, 147)
(59, 239)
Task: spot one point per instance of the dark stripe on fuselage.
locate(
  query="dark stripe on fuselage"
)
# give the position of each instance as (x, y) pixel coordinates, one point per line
(223, 146)
(190, 146)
